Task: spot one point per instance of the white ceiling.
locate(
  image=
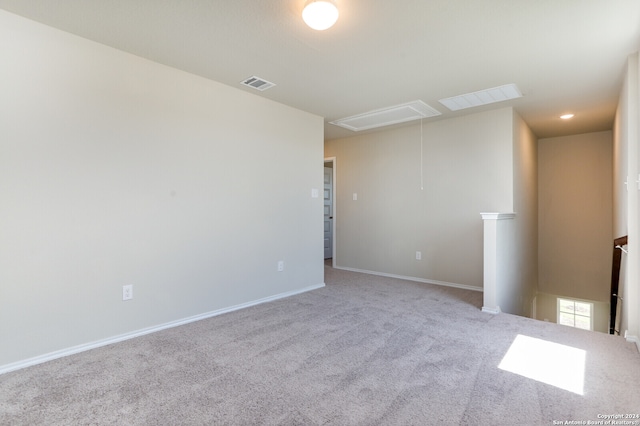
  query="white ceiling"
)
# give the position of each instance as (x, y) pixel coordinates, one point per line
(564, 55)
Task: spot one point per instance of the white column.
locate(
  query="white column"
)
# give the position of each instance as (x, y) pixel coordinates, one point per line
(491, 260)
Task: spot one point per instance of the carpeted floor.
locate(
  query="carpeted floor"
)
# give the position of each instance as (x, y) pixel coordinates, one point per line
(364, 350)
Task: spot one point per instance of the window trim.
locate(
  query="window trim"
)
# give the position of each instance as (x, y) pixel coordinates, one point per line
(586, 302)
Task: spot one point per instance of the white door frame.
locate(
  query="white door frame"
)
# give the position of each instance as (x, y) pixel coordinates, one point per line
(333, 189)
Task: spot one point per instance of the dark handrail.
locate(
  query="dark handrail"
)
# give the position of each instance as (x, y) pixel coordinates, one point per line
(615, 281)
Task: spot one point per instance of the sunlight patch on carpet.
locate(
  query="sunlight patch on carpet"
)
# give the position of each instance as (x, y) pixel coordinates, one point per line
(547, 362)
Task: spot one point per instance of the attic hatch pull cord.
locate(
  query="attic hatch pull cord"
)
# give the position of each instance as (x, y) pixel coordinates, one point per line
(421, 159)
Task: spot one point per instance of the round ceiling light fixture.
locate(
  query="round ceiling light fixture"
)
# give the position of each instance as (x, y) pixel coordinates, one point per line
(566, 116)
(320, 14)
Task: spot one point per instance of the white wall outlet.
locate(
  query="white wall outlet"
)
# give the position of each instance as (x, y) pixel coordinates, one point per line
(280, 265)
(355, 196)
(418, 255)
(127, 292)
(314, 193)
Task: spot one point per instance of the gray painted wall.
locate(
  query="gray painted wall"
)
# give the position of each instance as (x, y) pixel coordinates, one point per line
(468, 168)
(576, 215)
(115, 170)
(627, 201)
(521, 267)
(576, 222)
(620, 176)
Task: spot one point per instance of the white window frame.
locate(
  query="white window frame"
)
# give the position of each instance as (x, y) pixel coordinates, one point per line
(566, 299)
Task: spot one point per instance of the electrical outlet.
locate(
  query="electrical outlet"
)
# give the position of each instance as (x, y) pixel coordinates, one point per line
(127, 292)
(280, 265)
(418, 255)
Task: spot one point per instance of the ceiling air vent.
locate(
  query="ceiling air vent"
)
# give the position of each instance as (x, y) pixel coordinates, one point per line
(482, 97)
(387, 116)
(258, 83)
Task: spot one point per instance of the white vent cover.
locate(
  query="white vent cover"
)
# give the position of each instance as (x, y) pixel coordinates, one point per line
(482, 97)
(387, 116)
(258, 83)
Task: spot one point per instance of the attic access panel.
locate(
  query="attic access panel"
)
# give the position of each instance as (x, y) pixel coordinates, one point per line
(482, 97)
(387, 116)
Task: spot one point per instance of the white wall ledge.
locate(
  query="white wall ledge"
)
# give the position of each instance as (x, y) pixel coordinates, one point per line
(497, 216)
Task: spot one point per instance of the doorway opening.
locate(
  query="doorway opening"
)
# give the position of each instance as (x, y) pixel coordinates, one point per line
(329, 211)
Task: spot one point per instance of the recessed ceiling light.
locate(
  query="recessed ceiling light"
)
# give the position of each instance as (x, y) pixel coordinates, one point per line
(566, 116)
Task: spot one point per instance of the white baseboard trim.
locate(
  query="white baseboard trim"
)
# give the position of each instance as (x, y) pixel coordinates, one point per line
(632, 339)
(122, 337)
(494, 311)
(403, 277)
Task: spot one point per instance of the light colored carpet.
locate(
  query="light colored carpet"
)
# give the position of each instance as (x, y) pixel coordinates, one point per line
(364, 350)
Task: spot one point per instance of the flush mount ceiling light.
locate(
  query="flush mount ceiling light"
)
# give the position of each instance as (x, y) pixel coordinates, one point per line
(320, 14)
(566, 116)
